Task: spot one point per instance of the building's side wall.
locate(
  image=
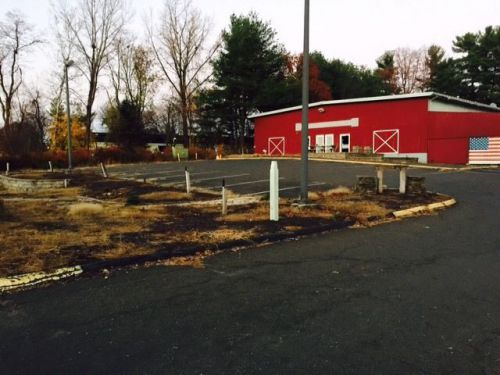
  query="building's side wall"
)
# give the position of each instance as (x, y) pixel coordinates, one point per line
(407, 116)
(449, 134)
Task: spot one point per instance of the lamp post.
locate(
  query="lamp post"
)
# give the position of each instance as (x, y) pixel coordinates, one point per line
(305, 109)
(67, 64)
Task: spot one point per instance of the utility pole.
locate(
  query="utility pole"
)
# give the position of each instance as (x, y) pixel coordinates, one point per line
(67, 64)
(305, 109)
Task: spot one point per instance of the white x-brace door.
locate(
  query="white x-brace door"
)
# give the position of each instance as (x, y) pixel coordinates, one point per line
(276, 146)
(386, 141)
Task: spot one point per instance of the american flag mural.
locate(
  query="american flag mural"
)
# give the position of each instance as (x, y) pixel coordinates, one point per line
(484, 150)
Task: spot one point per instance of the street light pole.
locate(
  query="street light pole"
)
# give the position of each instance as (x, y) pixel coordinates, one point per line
(67, 64)
(305, 109)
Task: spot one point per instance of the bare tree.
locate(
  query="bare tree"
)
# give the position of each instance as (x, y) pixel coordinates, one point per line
(411, 69)
(92, 27)
(179, 47)
(133, 74)
(32, 113)
(16, 38)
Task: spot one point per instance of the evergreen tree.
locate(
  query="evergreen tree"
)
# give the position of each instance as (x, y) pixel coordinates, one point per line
(247, 72)
(479, 65)
(347, 80)
(125, 124)
(386, 70)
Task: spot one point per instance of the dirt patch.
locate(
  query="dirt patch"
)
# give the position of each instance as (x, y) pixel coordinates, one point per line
(44, 231)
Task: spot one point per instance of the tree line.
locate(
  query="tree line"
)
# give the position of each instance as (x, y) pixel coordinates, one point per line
(177, 85)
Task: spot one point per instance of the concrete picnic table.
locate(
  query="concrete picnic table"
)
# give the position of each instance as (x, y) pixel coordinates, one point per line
(402, 176)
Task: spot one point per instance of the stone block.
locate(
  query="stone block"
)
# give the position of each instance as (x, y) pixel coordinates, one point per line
(366, 184)
(415, 185)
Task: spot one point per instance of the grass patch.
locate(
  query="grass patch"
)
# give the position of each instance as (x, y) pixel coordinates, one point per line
(162, 196)
(86, 209)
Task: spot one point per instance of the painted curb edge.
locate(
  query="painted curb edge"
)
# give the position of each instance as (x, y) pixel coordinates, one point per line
(31, 279)
(428, 207)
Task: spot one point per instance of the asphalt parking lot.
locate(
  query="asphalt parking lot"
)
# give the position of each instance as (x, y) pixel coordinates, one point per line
(252, 176)
(419, 296)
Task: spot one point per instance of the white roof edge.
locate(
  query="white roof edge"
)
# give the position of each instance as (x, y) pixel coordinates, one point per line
(378, 99)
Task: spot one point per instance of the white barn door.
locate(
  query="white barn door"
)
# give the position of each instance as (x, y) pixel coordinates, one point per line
(276, 146)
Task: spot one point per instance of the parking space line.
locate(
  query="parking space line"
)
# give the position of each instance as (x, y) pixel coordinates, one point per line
(180, 176)
(221, 177)
(251, 182)
(288, 188)
(137, 174)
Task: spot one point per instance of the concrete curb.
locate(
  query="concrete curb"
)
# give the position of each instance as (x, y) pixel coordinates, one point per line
(31, 279)
(362, 162)
(424, 208)
(28, 280)
(28, 185)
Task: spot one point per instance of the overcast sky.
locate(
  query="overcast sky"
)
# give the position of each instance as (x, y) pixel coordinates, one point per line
(358, 31)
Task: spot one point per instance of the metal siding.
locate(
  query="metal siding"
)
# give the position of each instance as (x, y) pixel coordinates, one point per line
(449, 134)
(409, 116)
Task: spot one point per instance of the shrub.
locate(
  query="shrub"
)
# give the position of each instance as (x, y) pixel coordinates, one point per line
(167, 155)
(203, 153)
(82, 156)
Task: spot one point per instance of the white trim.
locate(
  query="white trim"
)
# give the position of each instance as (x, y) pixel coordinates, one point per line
(353, 123)
(433, 95)
(493, 162)
(341, 144)
(385, 141)
(276, 146)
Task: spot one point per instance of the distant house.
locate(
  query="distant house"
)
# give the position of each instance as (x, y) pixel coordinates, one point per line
(154, 142)
(432, 127)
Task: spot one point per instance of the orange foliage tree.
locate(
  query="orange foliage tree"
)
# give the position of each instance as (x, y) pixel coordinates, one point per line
(59, 133)
(318, 89)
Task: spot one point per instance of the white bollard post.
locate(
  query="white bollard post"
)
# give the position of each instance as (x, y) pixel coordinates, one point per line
(274, 192)
(51, 169)
(178, 157)
(66, 183)
(104, 171)
(402, 180)
(195, 156)
(188, 181)
(224, 198)
(380, 180)
(7, 168)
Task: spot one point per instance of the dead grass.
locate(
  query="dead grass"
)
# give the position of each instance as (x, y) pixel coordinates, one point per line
(165, 196)
(86, 209)
(336, 192)
(52, 229)
(217, 236)
(123, 250)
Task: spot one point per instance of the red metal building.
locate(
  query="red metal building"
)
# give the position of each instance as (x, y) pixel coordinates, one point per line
(432, 127)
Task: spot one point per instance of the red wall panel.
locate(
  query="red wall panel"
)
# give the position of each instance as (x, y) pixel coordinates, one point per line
(449, 134)
(448, 151)
(409, 116)
(444, 136)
